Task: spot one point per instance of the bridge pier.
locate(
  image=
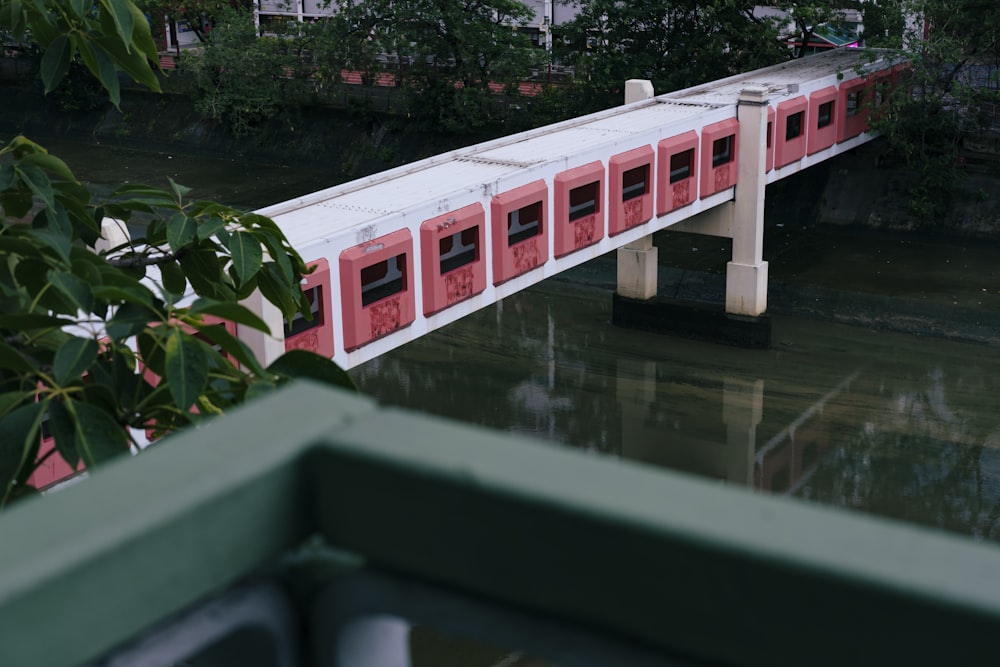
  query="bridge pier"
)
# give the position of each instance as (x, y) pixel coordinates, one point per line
(743, 321)
(746, 274)
(637, 261)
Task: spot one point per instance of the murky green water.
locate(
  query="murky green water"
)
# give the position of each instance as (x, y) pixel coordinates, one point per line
(890, 424)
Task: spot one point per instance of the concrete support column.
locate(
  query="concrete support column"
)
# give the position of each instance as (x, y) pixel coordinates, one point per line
(265, 347)
(637, 260)
(637, 269)
(746, 274)
(114, 233)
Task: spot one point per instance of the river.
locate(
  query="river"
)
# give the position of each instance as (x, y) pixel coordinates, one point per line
(891, 424)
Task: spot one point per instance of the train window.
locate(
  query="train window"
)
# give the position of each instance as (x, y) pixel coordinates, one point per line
(770, 131)
(524, 223)
(680, 165)
(634, 182)
(382, 279)
(853, 103)
(583, 200)
(825, 116)
(46, 427)
(793, 125)
(459, 249)
(722, 151)
(299, 323)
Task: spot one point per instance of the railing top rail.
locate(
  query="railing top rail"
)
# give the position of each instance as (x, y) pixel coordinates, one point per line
(679, 564)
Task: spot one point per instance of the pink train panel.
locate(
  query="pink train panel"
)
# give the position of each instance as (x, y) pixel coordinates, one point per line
(578, 208)
(771, 123)
(315, 335)
(823, 119)
(520, 230)
(453, 263)
(630, 189)
(376, 288)
(677, 177)
(790, 131)
(720, 143)
(853, 101)
(54, 468)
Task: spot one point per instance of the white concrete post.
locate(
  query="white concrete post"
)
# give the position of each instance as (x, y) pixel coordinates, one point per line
(114, 233)
(267, 348)
(637, 260)
(746, 274)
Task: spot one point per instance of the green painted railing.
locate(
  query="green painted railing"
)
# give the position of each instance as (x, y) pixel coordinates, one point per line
(681, 566)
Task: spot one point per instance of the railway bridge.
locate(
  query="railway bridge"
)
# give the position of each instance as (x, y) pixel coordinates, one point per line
(407, 251)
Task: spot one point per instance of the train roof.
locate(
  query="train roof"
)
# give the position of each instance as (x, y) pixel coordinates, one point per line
(447, 177)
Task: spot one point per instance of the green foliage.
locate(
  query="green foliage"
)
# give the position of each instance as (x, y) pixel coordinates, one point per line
(884, 24)
(805, 17)
(97, 347)
(447, 55)
(102, 345)
(674, 44)
(105, 35)
(240, 79)
(195, 12)
(938, 100)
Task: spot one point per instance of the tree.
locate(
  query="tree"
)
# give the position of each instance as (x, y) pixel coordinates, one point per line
(953, 49)
(97, 346)
(198, 14)
(673, 43)
(808, 16)
(243, 79)
(451, 54)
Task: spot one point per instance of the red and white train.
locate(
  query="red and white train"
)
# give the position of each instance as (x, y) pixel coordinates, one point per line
(406, 251)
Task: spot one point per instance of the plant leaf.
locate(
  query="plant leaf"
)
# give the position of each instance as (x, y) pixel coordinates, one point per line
(186, 368)
(228, 310)
(63, 428)
(73, 358)
(13, 360)
(304, 364)
(98, 436)
(55, 62)
(19, 445)
(181, 230)
(247, 255)
(75, 290)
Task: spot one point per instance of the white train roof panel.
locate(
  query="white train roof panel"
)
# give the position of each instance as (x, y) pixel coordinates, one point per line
(452, 176)
(778, 77)
(343, 211)
(569, 141)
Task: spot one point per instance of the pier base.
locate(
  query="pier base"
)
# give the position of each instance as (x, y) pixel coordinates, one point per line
(692, 320)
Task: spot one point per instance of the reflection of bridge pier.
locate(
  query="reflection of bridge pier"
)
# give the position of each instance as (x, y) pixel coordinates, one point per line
(724, 452)
(725, 447)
